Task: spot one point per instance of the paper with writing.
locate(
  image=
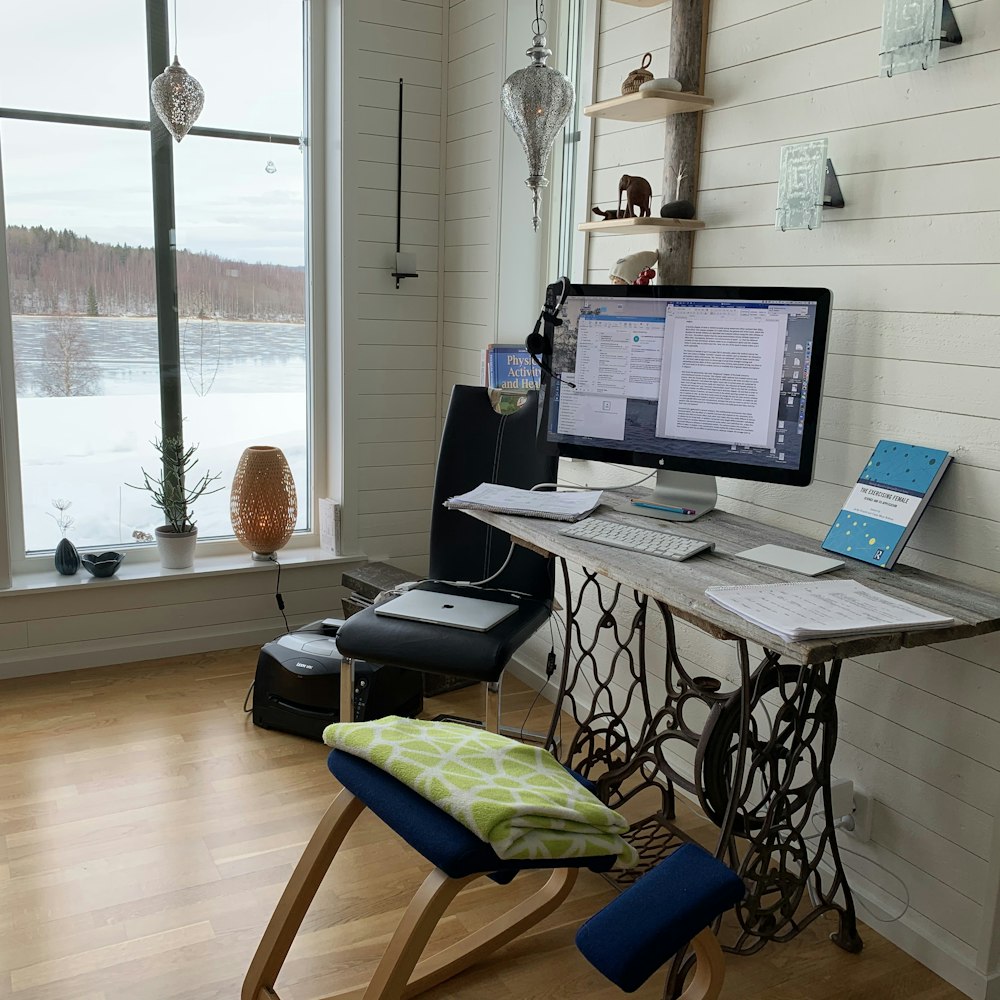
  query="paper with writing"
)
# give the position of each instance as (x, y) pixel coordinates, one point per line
(565, 506)
(823, 607)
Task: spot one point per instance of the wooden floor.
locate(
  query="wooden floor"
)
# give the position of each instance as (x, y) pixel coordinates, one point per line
(147, 828)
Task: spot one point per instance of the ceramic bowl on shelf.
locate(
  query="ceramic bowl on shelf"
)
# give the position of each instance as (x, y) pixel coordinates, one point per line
(662, 83)
(102, 564)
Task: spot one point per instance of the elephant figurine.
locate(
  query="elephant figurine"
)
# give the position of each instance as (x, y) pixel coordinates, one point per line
(638, 195)
(609, 213)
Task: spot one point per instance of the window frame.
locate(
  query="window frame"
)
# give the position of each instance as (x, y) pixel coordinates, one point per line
(13, 556)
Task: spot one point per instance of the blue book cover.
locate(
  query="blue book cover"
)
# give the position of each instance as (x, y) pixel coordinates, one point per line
(510, 366)
(885, 505)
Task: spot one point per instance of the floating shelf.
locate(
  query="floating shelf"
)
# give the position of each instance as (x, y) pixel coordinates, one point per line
(648, 105)
(651, 224)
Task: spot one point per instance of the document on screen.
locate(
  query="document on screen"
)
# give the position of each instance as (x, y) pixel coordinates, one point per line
(620, 355)
(584, 414)
(721, 377)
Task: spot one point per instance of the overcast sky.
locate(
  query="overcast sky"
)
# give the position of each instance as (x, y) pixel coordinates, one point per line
(90, 58)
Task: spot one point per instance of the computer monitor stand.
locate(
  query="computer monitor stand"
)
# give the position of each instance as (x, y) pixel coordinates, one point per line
(678, 496)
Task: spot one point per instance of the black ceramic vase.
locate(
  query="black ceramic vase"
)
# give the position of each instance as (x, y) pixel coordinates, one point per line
(67, 558)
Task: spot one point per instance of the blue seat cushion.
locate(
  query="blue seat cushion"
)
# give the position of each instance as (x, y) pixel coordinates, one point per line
(442, 840)
(635, 934)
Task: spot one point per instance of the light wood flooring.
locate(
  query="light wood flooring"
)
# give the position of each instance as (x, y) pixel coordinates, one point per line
(147, 828)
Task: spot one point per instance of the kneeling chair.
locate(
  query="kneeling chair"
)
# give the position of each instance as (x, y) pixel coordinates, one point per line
(628, 940)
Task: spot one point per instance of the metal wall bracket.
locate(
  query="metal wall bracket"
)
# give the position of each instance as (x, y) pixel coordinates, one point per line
(832, 195)
(406, 264)
(950, 32)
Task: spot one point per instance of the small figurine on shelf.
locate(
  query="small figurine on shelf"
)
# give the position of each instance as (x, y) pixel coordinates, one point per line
(639, 76)
(634, 268)
(638, 195)
(67, 559)
(677, 209)
(609, 213)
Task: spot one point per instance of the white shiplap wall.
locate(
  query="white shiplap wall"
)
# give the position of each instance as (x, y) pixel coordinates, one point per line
(78, 624)
(914, 265)
(391, 337)
(473, 142)
(493, 282)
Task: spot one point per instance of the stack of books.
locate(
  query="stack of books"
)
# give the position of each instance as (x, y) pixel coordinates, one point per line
(509, 367)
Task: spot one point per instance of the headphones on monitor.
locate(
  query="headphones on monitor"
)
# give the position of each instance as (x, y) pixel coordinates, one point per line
(537, 343)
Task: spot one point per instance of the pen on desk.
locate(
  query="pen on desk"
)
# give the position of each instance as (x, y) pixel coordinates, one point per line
(660, 506)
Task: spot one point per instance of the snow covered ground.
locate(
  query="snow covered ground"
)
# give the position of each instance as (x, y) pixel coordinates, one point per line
(86, 448)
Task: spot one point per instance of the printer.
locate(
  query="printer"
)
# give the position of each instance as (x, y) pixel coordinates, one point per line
(296, 687)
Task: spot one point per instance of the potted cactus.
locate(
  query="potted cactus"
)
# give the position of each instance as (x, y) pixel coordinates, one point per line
(173, 492)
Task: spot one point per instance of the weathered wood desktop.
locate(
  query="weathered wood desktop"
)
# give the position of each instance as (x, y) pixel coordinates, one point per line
(762, 760)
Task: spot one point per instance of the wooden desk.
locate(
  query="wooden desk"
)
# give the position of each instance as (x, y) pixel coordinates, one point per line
(762, 760)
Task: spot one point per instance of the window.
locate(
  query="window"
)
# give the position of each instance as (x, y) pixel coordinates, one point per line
(102, 362)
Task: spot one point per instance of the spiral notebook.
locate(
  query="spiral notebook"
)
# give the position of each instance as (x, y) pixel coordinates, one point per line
(566, 506)
(817, 608)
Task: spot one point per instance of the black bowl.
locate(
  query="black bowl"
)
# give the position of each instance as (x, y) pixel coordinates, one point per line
(102, 563)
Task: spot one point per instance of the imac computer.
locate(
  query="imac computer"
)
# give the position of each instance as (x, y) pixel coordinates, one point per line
(694, 381)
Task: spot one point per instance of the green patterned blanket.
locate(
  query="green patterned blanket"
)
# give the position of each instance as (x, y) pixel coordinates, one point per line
(517, 798)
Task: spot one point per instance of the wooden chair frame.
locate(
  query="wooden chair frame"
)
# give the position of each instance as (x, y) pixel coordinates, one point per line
(400, 974)
(397, 975)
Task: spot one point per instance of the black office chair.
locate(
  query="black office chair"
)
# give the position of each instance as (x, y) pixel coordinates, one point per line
(478, 445)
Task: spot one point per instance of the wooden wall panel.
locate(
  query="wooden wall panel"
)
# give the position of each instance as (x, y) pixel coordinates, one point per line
(472, 182)
(391, 336)
(913, 261)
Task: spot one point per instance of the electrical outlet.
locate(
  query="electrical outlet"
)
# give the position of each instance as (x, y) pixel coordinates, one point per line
(851, 806)
(841, 797)
(862, 816)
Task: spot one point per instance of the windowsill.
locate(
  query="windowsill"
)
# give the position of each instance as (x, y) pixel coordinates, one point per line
(48, 580)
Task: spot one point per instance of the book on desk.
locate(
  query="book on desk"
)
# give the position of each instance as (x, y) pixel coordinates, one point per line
(882, 510)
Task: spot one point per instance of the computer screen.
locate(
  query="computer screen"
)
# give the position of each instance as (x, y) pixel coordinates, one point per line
(708, 380)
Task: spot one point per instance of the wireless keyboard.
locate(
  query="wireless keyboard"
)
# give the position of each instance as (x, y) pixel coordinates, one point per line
(628, 536)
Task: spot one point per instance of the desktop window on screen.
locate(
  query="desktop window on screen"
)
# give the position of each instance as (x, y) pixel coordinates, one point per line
(716, 380)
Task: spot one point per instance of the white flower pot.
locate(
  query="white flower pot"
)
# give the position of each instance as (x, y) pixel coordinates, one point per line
(176, 547)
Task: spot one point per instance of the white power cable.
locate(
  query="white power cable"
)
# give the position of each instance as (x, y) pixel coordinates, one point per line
(843, 824)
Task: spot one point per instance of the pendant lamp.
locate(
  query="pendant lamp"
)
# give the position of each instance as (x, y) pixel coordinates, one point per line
(262, 504)
(536, 102)
(176, 95)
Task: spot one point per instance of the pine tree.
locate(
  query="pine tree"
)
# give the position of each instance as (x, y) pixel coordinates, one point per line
(92, 302)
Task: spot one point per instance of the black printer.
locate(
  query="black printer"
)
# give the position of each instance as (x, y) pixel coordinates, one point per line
(297, 685)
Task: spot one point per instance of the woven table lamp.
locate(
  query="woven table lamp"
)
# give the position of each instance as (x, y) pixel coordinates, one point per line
(262, 505)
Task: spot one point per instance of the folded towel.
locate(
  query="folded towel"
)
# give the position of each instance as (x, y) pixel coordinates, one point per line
(517, 798)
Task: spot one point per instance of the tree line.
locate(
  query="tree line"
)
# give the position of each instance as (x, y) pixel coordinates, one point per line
(58, 272)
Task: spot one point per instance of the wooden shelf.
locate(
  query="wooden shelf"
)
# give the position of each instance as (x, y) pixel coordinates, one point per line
(652, 224)
(648, 105)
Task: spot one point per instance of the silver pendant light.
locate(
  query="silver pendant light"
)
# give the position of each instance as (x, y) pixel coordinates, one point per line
(176, 95)
(536, 102)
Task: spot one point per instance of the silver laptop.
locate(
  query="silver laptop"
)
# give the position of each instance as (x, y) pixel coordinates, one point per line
(445, 609)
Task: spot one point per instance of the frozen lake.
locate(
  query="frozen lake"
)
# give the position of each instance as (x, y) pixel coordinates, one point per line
(243, 384)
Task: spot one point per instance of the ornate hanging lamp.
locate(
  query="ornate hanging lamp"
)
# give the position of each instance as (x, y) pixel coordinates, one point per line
(536, 102)
(176, 95)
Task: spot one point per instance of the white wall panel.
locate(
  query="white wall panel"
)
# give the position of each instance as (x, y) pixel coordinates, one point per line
(913, 261)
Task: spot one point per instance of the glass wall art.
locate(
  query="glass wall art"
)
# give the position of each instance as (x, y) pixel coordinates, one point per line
(911, 35)
(801, 183)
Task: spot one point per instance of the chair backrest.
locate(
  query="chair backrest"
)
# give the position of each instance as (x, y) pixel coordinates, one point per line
(479, 445)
